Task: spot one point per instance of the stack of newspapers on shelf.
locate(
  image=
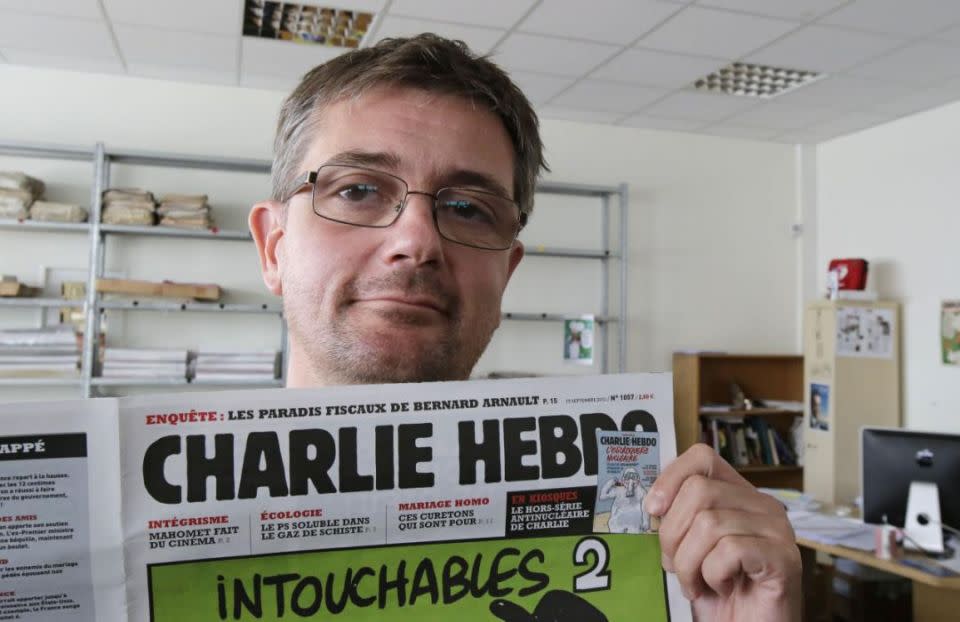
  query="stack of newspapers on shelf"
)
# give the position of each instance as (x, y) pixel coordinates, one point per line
(39, 353)
(128, 206)
(189, 211)
(235, 366)
(150, 364)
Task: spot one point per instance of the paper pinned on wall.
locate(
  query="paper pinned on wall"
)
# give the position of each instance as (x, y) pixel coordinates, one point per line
(578, 339)
(865, 332)
(950, 332)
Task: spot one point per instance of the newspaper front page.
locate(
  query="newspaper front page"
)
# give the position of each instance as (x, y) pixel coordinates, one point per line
(514, 500)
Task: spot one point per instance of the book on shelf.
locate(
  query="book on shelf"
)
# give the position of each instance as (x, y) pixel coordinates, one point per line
(746, 441)
(153, 355)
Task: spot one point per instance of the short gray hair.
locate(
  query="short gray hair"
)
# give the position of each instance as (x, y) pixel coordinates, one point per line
(428, 62)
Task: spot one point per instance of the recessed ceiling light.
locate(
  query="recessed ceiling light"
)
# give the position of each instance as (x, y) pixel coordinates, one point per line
(305, 23)
(746, 80)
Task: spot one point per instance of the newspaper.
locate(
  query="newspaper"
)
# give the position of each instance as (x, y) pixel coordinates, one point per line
(460, 500)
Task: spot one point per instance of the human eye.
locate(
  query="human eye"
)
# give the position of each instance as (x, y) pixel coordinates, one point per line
(358, 192)
(468, 209)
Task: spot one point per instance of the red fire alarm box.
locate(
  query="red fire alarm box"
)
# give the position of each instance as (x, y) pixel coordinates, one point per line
(850, 273)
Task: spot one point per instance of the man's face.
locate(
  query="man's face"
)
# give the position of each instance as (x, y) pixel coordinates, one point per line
(400, 303)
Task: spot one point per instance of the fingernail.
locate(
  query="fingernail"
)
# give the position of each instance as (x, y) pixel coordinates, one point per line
(655, 503)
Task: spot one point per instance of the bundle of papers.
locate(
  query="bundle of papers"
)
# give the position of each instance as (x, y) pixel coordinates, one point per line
(39, 353)
(50, 211)
(185, 210)
(146, 363)
(128, 206)
(18, 191)
(235, 366)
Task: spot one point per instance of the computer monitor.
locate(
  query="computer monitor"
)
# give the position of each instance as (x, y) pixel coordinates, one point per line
(892, 459)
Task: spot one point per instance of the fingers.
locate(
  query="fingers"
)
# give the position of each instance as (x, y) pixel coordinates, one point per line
(699, 494)
(698, 460)
(710, 533)
(773, 572)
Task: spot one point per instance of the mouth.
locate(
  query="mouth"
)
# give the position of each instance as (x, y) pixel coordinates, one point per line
(406, 304)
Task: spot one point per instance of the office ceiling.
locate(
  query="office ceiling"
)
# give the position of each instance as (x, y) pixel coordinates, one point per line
(619, 62)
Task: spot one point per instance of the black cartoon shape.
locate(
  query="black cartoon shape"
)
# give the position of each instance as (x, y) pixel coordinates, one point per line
(555, 606)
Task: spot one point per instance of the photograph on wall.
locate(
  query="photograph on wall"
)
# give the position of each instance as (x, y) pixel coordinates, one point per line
(950, 332)
(578, 339)
(865, 332)
(819, 406)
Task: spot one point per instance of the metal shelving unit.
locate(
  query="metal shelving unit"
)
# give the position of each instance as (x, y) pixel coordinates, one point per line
(101, 158)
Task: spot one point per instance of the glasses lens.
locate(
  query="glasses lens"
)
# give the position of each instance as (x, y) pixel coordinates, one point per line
(357, 196)
(477, 218)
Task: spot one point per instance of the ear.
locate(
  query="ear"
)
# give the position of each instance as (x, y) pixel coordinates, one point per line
(266, 227)
(516, 254)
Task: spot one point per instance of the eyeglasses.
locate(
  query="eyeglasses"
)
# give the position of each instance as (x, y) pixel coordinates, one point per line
(369, 198)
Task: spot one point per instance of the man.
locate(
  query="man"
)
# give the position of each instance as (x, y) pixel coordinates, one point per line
(402, 175)
(626, 514)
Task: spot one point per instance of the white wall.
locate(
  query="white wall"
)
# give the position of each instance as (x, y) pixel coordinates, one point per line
(890, 195)
(712, 262)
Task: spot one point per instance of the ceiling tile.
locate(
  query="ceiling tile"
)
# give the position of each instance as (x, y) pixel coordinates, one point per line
(824, 49)
(802, 137)
(151, 46)
(950, 35)
(844, 93)
(283, 59)
(898, 17)
(803, 10)
(538, 87)
(847, 123)
(495, 14)
(658, 123)
(775, 115)
(698, 106)
(608, 21)
(550, 55)
(575, 114)
(728, 130)
(268, 82)
(653, 68)
(89, 9)
(211, 16)
(56, 36)
(919, 101)
(60, 61)
(920, 64)
(182, 74)
(708, 32)
(608, 96)
(478, 38)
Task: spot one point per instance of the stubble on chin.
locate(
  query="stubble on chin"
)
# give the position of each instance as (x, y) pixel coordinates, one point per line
(356, 346)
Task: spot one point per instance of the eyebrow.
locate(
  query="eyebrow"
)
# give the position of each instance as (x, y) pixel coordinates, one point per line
(391, 162)
(370, 159)
(476, 179)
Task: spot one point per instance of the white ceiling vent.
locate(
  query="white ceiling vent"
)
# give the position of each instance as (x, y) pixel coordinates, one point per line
(305, 23)
(763, 81)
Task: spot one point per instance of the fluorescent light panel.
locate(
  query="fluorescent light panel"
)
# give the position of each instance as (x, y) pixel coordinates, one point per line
(305, 23)
(748, 80)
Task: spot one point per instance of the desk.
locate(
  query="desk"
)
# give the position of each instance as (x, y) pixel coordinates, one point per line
(935, 599)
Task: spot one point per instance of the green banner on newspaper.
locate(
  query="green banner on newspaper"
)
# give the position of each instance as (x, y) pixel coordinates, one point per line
(588, 578)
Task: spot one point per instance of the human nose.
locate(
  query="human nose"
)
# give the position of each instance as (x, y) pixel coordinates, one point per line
(414, 236)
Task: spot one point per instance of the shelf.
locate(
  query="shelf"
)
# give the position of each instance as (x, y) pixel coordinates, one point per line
(575, 253)
(552, 317)
(40, 382)
(176, 232)
(175, 382)
(753, 412)
(768, 468)
(209, 307)
(40, 225)
(54, 303)
(148, 158)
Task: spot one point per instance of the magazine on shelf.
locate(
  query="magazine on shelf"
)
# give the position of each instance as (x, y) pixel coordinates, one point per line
(459, 500)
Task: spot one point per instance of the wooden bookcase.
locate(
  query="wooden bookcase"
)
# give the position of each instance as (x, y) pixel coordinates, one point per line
(705, 378)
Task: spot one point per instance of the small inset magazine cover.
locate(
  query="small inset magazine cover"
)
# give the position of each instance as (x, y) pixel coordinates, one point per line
(627, 465)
